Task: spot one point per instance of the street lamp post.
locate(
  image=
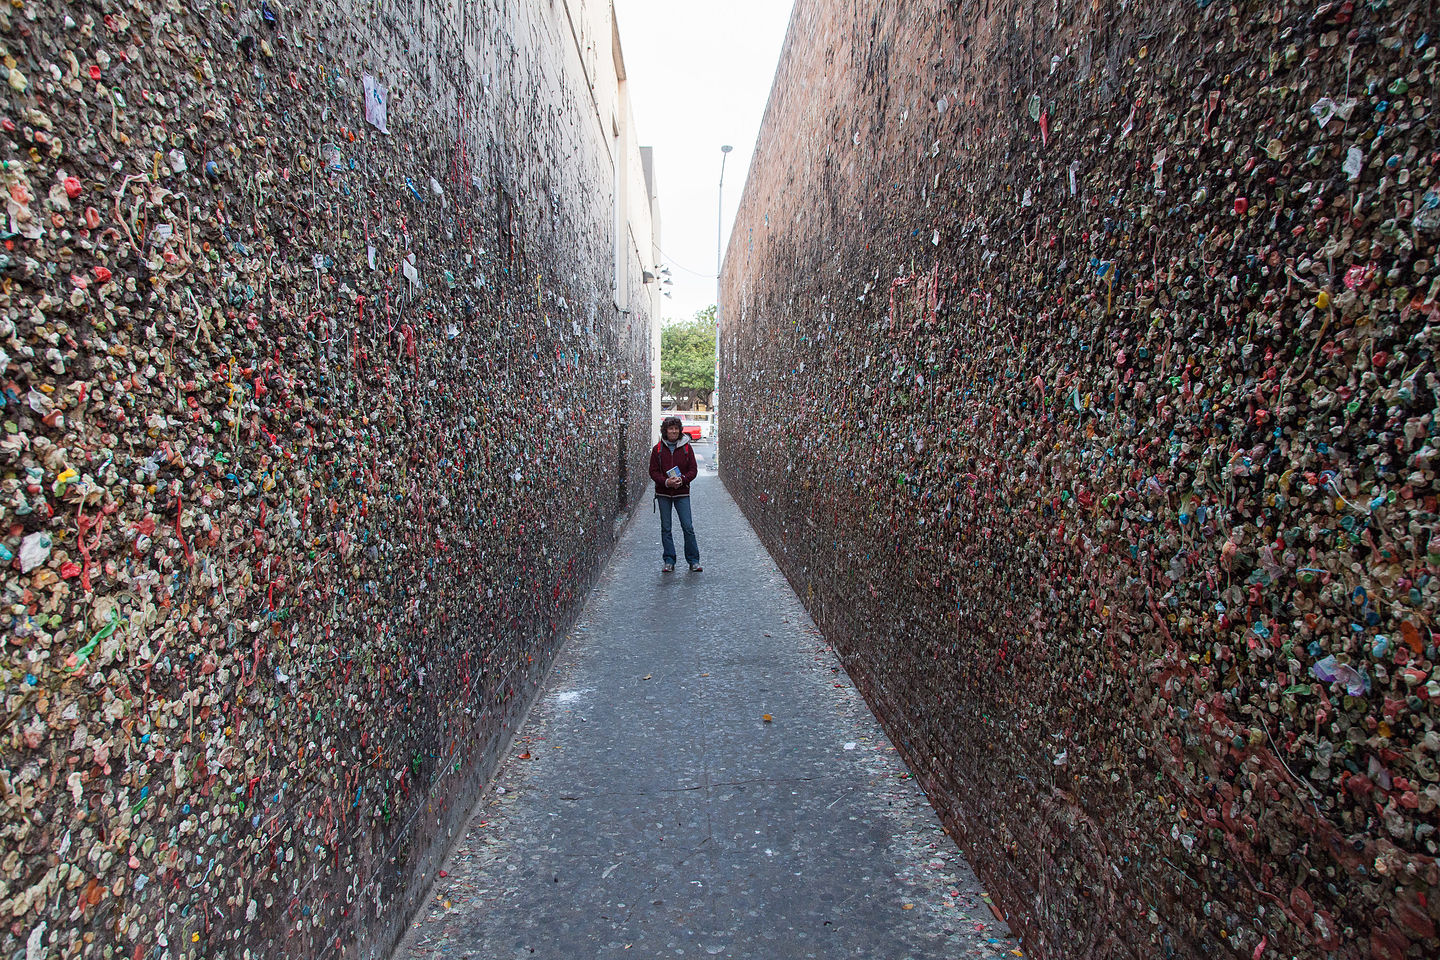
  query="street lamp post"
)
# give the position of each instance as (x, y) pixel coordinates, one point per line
(719, 221)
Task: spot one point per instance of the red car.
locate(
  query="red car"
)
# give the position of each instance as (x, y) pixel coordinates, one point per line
(691, 428)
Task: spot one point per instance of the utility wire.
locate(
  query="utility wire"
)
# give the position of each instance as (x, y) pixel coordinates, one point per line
(705, 276)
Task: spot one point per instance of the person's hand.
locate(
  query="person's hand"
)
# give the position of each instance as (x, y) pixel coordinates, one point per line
(671, 482)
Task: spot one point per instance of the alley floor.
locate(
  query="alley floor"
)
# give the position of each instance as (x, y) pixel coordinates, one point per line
(699, 778)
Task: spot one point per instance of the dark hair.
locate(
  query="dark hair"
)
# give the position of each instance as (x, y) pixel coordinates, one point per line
(669, 422)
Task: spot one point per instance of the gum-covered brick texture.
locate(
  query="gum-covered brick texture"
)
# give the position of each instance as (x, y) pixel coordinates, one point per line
(315, 398)
(1079, 370)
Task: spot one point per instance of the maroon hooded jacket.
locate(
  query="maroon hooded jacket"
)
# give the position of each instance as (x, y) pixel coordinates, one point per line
(662, 458)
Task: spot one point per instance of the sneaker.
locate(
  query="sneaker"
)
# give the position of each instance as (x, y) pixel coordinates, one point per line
(668, 568)
(696, 568)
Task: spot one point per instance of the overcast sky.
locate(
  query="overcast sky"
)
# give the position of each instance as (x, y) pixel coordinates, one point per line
(700, 74)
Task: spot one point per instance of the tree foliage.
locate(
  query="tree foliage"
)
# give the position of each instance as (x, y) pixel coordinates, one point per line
(687, 358)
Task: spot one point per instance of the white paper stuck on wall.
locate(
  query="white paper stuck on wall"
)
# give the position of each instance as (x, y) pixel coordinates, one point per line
(376, 98)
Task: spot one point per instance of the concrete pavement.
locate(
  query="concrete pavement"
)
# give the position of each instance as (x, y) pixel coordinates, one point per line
(649, 808)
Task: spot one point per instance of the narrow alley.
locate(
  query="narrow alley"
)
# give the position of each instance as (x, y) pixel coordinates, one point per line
(700, 778)
(1071, 580)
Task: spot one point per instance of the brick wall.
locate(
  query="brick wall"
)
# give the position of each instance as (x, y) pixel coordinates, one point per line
(1079, 372)
(313, 439)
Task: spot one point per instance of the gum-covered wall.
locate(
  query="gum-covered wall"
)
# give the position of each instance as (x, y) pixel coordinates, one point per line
(313, 439)
(1079, 371)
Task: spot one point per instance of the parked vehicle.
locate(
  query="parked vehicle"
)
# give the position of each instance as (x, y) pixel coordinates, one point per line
(697, 424)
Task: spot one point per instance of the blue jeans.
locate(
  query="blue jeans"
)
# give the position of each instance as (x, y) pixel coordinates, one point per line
(667, 542)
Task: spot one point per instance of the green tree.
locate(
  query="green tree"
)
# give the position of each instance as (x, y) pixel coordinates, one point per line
(687, 359)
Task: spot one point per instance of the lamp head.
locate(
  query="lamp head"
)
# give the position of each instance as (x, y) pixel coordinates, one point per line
(726, 149)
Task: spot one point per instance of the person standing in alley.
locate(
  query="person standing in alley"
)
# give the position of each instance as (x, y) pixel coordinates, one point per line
(673, 467)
